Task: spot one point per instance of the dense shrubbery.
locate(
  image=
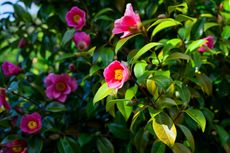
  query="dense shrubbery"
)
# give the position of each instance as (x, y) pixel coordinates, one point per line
(116, 77)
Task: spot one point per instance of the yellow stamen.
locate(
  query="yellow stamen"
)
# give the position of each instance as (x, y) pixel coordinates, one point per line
(76, 18)
(60, 86)
(118, 74)
(32, 125)
(16, 149)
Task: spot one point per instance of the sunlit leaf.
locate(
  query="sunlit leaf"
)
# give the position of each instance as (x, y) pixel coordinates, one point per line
(102, 92)
(198, 117)
(180, 148)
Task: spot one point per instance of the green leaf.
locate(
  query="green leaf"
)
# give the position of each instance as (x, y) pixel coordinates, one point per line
(119, 131)
(180, 148)
(102, 92)
(188, 136)
(143, 50)
(134, 119)
(208, 25)
(35, 145)
(124, 109)
(131, 92)
(68, 145)
(164, 128)
(198, 117)
(205, 83)
(93, 69)
(165, 102)
(158, 147)
(163, 25)
(223, 134)
(22, 13)
(183, 8)
(68, 36)
(122, 41)
(141, 140)
(102, 11)
(177, 55)
(55, 107)
(195, 44)
(84, 139)
(158, 22)
(104, 145)
(198, 28)
(139, 68)
(226, 32)
(184, 93)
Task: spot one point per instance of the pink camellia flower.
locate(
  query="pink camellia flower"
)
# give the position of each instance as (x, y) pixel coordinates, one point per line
(16, 146)
(128, 24)
(81, 40)
(59, 86)
(76, 18)
(3, 102)
(209, 43)
(31, 123)
(116, 74)
(10, 69)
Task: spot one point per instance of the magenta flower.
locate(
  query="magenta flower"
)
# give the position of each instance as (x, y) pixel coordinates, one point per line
(3, 102)
(128, 24)
(10, 69)
(76, 18)
(16, 146)
(31, 123)
(209, 43)
(116, 74)
(59, 86)
(81, 40)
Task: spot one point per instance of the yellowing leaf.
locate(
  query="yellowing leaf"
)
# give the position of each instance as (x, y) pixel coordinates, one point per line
(165, 129)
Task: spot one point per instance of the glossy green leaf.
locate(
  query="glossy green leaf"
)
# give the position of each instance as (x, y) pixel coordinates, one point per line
(104, 145)
(165, 102)
(131, 92)
(102, 92)
(226, 32)
(22, 13)
(208, 25)
(124, 109)
(141, 140)
(184, 93)
(177, 55)
(68, 36)
(198, 117)
(84, 138)
(164, 128)
(164, 25)
(180, 148)
(205, 83)
(35, 145)
(144, 49)
(223, 134)
(198, 28)
(183, 8)
(102, 11)
(139, 69)
(158, 147)
(119, 131)
(188, 136)
(55, 107)
(158, 22)
(68, 145)
(122, 41)
(194, 45)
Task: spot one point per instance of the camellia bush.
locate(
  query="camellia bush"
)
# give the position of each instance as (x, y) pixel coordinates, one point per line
(115, 77)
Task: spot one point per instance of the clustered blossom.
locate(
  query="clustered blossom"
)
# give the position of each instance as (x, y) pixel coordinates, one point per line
(58, 86)
(31, 123)
(209, 43)
(116, 74)
(3, 102)
(81, 40)
(128, 24)
(76, 18)
(9, 69)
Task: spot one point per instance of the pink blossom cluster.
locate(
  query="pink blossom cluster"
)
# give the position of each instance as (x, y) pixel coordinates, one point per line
(76, 18)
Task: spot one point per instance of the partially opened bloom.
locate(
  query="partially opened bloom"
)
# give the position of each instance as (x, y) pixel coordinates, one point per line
(31, 123)
(209, 42)
(76, 18)
(128, 24)
(116, 74)
(81, 40)
(16, 146)
(9, 69)
(3, 103)
(58, 86)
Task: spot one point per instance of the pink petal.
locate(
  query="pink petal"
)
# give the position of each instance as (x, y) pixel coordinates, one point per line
(62, 98)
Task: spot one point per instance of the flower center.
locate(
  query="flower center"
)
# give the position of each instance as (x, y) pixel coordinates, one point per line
(82, 45)
(16, 149)
(32, 125)
(60, 86)
(118, 75)
(76, 18)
